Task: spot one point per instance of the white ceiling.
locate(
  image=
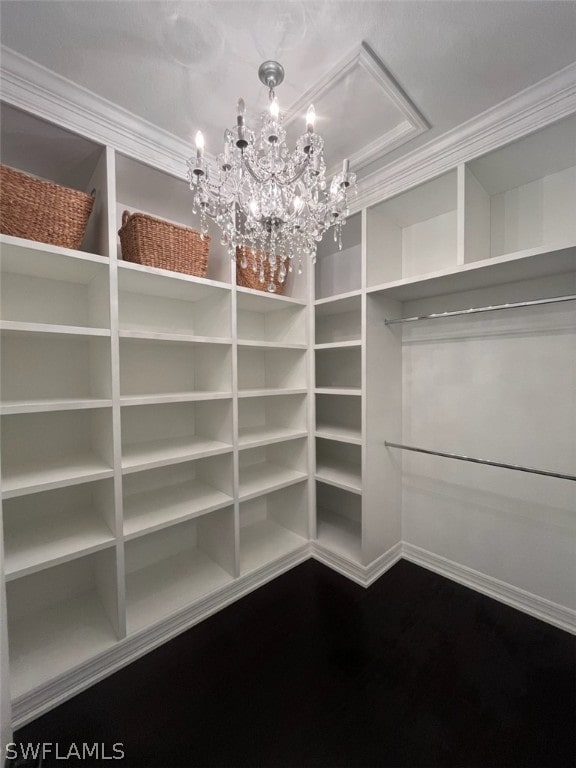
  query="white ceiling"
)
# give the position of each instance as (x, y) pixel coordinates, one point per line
(182, 65)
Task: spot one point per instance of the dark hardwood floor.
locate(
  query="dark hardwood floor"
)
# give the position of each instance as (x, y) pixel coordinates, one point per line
(313, 670)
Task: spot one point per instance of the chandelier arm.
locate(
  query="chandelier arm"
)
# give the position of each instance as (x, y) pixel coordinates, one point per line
(253, 173)
(298, 175)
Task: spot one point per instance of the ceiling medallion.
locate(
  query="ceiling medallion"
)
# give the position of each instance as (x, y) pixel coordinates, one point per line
(271, 204)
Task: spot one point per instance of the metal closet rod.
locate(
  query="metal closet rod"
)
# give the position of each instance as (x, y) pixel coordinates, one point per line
(501, 464)
(474, 310)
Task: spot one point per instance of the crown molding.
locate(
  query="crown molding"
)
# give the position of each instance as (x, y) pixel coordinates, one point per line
(34, 88)
(538, 105)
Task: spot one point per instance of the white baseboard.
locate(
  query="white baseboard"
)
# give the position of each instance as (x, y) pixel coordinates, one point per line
(361, 574)
(539, 607)
(49, 695)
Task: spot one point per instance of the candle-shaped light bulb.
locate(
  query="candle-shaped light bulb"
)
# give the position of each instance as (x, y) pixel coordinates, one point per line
(241, 110)
(345, 166)
(199, 145)
(298, 203)
(241, 142)
(274, 109)
(310, 118)
(253, 207)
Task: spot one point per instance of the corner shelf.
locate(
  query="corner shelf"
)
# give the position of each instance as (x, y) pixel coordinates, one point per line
(272, 467)
(261, 422)
(339, 521)
(339, 464)
(272, 527)
(339, 419)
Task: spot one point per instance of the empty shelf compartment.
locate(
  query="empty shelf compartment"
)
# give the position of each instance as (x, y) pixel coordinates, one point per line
(271, 369)
(273, 526)
(44, 529)
(60, 618)
(149, 368)
(158, 498)
(339, 418)
(171, 569)
(272, 467)
(49, 450)
(339, 464)
(339, 521)
(270, 420)
(158, 435)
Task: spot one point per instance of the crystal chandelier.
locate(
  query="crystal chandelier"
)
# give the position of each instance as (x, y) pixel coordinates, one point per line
(271, 204)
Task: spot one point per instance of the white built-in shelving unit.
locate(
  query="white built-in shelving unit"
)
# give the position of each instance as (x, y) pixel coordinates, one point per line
(170, 442)
(498, 229)
(154, 429)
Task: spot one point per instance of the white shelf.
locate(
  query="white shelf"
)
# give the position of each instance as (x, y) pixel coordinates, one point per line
(264, 542)
(173, 397)
(340, 474)
(265, 477)
(160, 453)
(523, 265)
(54, 539)
(258, 301)
(52, 404)
(30, 257)
(342, 302)
(272, 391)
(54, 329)
(129, 266)
(339, 433)
(339, 534)
(155, 509)
(183, 336)
(45, 289)
(354, 343)
(355, 391)
(252, 437)
(56, 639)
(165, 587)
(248, 343)
(56, 472)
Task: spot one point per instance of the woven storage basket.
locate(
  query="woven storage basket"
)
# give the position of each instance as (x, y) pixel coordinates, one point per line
(247, 278)
(157, 243)
(42, 210)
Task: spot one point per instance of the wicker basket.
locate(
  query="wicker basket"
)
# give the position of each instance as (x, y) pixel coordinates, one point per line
(42, 210)
(157, 243)
(247, 278)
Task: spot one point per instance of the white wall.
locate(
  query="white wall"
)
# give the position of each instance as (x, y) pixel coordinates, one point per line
(500, 386)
